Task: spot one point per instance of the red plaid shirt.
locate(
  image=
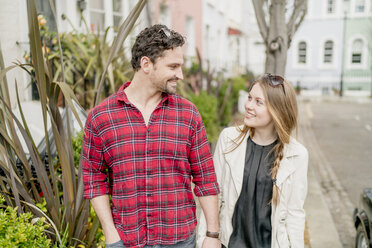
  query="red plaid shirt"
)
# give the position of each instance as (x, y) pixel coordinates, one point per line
(149, 167)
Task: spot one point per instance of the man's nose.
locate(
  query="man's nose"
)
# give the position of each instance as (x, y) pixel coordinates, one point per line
(179, 73)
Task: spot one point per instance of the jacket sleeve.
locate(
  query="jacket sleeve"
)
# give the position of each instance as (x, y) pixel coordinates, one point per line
(218, 160)
(295, 222)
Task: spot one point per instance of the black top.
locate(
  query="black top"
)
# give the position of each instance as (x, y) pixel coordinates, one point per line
(251, 219)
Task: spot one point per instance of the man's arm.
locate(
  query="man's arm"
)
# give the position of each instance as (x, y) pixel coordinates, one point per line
(101, 205)
(210, 210)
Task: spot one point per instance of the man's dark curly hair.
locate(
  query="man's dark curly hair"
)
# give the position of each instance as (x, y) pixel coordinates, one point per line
(152, 42)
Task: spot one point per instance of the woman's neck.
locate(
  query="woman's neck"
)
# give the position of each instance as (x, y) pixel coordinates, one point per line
(264, 137)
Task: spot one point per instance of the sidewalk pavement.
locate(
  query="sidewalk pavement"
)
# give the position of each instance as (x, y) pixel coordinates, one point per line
(321, 229)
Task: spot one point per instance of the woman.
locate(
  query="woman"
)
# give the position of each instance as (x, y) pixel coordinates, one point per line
(262, 172)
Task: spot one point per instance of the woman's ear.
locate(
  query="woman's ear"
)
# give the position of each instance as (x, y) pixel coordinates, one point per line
(146, 64)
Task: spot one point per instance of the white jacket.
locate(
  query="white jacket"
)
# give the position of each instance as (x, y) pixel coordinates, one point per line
(288, 217)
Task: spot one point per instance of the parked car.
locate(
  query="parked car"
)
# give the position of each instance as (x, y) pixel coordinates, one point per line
(363, 220)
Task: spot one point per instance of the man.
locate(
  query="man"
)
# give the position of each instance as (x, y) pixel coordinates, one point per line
(142, 146)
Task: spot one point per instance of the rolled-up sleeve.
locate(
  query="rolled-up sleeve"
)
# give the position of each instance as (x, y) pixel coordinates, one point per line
(201, 162)
(93, 165)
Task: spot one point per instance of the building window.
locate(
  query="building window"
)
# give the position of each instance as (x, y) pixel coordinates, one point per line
(328, 52)
(237, 59)
(357, 48)
(302, 52)
(117, 12)
(43, 8)
(190, 34)
(359, 6)
(164, 16)
(206, 42)
(331, 6)
(97, 15)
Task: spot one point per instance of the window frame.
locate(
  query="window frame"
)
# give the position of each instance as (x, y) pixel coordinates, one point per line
(328, 52)
(97, 11)
(302, 53)
(364, 53)
(331, 6)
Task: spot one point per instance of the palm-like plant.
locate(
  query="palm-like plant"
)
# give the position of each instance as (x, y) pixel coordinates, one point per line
(85, 56)
(66, 210)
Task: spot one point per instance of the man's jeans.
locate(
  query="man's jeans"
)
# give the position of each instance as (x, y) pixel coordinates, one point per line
(188, 243)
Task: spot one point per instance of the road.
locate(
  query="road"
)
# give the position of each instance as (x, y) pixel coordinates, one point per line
(344, 133)
(338, 136)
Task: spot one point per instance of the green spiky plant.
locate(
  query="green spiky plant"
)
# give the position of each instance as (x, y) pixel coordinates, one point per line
(85, 56)
(61, 193)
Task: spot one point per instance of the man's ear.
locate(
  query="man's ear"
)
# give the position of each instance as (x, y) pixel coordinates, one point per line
(146, 64)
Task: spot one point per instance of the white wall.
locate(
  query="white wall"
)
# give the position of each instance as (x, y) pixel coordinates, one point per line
(14, 43)
(256, 51)
(215, 46)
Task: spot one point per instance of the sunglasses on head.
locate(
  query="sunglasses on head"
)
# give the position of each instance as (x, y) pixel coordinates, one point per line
(166, 33)
(276, 80)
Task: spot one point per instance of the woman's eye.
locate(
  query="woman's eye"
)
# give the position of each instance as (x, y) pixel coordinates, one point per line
(259, 102)
(249, 98)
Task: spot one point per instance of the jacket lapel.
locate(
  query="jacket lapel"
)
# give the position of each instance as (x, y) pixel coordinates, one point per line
(286, 166)
(236, 162)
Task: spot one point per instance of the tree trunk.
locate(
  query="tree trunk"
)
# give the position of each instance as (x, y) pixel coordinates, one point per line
(278, 34)
(276, 45)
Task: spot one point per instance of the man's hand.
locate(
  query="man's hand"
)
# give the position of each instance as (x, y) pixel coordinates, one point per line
(111, 236)
(211, 243)
(101, 205)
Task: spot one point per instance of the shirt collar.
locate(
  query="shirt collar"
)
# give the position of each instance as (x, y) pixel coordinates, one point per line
(122, 97)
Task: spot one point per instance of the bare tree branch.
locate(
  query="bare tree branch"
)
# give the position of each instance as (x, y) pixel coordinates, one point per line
(298, 15)
(260, 17)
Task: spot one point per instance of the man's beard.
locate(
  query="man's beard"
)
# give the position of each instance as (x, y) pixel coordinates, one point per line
(169, 88)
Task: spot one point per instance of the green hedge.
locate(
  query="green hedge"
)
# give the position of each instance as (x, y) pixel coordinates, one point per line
(208, 109)
(17, 231)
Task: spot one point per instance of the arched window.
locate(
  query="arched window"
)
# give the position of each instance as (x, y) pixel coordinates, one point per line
(356, 51)
(359, 6)
(328, 52)
(302, 52)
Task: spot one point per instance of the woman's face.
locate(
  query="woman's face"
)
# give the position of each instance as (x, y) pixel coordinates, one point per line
(256, 113)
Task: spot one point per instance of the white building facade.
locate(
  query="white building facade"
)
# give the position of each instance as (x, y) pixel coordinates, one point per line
(98, 14)
(314, 59)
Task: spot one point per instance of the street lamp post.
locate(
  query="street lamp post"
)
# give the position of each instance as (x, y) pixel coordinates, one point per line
(343, 57)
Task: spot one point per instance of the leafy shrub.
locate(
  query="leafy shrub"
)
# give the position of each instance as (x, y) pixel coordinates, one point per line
(17, 231)
(76, 146)
(231, 105)
(226, 106)
(238, 84)
(207, 106)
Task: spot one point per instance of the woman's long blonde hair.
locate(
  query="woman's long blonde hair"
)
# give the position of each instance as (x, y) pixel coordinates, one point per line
(282, 105)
